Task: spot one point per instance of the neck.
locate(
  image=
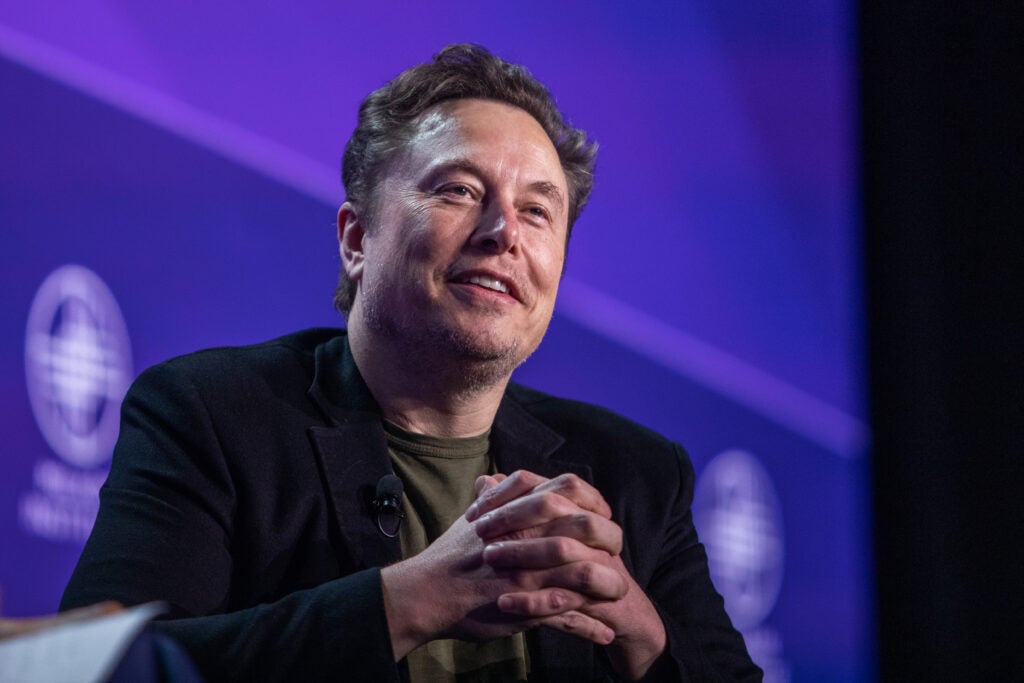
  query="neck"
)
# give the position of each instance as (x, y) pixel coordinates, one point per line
(444, 397)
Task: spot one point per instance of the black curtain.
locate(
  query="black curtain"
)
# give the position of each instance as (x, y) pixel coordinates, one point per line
(942, 190)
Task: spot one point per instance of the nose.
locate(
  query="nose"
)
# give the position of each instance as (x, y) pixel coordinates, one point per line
(497, 230)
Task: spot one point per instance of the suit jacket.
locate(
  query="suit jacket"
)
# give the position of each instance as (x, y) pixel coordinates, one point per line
(240, 494)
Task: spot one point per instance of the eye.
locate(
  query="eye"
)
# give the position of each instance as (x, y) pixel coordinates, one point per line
(538, 212)
(457, 190)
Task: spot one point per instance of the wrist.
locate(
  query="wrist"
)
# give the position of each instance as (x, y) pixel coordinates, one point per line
(406, 615)
(635, 658)
(640, 644)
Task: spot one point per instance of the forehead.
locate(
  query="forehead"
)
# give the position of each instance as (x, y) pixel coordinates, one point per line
(496, 136)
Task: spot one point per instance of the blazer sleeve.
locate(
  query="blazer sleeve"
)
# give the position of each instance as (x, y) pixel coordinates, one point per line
(165, 531)
(702, 643)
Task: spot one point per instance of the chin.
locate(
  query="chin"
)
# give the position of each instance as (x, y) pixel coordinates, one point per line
(472, 345)
(486, 358)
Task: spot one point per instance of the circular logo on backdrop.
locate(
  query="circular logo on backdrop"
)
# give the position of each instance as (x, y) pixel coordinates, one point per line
(77, 364)
(737, 513)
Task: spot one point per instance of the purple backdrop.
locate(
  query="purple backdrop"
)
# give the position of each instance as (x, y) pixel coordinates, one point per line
(186, 160)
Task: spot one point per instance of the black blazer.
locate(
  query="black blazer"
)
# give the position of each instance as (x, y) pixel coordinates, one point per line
(240, 490)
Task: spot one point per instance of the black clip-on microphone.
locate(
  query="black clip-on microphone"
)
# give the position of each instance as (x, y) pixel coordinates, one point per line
(388, 504)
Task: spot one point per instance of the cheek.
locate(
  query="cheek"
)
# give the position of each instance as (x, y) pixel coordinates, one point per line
(405, 252)
(550, 261)
(431, 237)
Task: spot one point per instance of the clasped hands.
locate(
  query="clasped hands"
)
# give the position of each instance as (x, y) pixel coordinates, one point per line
(529, 551)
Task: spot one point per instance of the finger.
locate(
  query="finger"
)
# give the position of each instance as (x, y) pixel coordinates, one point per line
(578, 491)
(581, 625)
(587, 528)
(513, 486)
(522, 482)
(524, 512)
(546, 515)
(593, 580)
(486, 481)
(545, 602)
(538, 553)
(541, 553)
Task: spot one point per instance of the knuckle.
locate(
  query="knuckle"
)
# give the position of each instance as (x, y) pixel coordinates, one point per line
(569, 482)
(585, 576)
(584, 525)
(557, 600)
(576, 490)
(502, 514)
(518, 603)
(549, 504)
(623, 587)
(617, 540)
(525, 478)
(512, 553)
(571, 622)
(512, 603)
(561, 549)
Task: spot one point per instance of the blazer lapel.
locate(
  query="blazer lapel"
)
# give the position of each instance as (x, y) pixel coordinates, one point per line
(519, 441)
(352, 456)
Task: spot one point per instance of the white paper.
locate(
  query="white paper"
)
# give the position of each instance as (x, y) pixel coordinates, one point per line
(76, 652)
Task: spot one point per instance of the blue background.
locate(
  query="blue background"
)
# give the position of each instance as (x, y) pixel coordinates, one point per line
(189, 157)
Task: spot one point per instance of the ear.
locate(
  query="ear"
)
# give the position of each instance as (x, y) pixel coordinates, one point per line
(350, 241)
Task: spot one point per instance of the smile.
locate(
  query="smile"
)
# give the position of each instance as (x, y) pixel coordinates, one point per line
(489, 283)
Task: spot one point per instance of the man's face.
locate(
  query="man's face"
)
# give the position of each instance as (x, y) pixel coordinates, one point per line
(468, 236)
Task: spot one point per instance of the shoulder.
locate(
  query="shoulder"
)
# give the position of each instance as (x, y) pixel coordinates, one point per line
(578, 419)
(236, 377)
(602, 438)
(282, 355)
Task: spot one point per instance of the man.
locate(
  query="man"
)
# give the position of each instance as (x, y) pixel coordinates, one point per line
(543, 538)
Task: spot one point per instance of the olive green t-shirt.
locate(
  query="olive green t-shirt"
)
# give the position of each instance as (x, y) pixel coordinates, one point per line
(438, 476)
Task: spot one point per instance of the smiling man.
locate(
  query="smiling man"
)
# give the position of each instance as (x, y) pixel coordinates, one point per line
(542, 539)
(458, 262)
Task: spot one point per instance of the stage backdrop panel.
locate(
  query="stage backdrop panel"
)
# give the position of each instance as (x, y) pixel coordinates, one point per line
(712, 290)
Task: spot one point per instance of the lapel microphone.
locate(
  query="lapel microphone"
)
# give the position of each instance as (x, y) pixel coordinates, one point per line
(388, 505)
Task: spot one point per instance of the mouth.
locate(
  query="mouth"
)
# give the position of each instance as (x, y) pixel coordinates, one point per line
(489, 281)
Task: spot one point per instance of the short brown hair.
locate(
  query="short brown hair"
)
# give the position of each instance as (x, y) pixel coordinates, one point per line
(389, 115)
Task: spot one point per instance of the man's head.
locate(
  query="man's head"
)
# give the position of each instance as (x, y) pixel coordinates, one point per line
(390, 116)
(461, 265)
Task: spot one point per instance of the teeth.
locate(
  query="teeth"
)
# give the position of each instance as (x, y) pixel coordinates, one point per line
(489, 283)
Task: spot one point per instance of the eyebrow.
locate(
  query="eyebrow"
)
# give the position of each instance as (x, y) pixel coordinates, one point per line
(549, 190)
(544, 187)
